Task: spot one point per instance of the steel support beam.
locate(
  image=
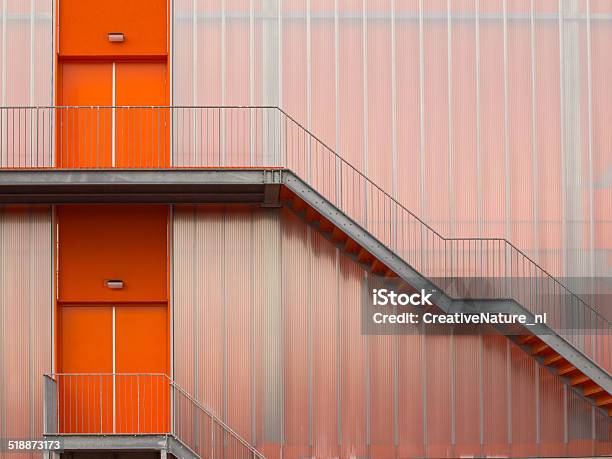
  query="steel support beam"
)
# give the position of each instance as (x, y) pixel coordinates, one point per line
(116, 185)
(165, 444)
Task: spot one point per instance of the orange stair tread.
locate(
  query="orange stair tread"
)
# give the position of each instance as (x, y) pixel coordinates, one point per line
(566, 369)
(527, 339)
(579, 379)
(591, 390)
(553, 359)
(539, 348)
(338, 235)
(604, 400)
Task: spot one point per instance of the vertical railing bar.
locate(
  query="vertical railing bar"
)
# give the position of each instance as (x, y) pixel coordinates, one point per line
(158, 136)
(97, 141)
(38, 137)
(138, 403)
(13, 137)
(3, 162)
(31, 139)
(101, 406)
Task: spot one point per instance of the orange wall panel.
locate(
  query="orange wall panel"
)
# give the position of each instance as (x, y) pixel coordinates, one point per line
(142, 135)
(84, 134)
(86, 339)
(84, 25)
(141, 348)
(141, 339)
(85, 346)
(86, 83)
(97, 243)
(141, 83)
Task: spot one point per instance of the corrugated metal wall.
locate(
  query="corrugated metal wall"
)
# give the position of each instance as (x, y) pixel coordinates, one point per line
(26, 304)
(26, 52)
(267, 333)
(26, 79)
(26, 298)
(486, 118)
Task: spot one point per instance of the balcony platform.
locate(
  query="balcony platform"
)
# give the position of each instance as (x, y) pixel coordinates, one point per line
(163, 443)
(223, 185)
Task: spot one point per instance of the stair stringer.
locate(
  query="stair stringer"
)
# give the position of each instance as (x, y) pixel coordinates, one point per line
(446, 303)
(178, 449)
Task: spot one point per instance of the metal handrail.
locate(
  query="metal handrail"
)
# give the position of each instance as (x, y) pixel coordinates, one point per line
(218, 421)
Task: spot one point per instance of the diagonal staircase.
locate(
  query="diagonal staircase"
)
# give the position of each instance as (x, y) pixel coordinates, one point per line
(469, 274)
(549, 347)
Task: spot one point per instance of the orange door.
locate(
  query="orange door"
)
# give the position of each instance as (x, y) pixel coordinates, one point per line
(85, 347)
(91, 133)
(141, 352)
(113, 361)
(84, 135)
(141, 129)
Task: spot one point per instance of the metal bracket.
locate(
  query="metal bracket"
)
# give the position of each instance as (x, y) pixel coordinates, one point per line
(272, 184)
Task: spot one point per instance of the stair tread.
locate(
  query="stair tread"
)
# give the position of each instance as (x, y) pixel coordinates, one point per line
(604, 400)
(553, 359)
(539, 348)
(528, 339)
(591, 390)
(579, 379)
(566, 369)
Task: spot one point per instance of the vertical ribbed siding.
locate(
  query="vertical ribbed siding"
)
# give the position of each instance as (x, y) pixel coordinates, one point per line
(524, 403)
(295, 329)
(495, 395)
(551, 394)
(486, 118)
(26, 304)
(268, 344)
(268, 334)
(26, 77)
(26, 43)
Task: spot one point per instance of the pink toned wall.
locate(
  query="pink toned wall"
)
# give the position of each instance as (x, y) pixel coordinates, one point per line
(26, 295)
(267, 317)
(26, 79)
(26, 300)
(485, 118)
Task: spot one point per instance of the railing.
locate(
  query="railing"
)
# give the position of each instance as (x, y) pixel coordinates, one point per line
(159, 137)
(137, 404)
(204, 433)
(109, 403)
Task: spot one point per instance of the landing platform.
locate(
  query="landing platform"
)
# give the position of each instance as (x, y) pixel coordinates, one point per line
(223, 185)
(163, 443)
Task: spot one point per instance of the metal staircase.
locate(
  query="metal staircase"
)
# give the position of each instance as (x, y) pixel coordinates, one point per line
(469, 274)
(549, 347)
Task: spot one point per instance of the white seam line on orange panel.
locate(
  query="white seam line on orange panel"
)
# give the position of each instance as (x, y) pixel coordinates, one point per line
(114, 365)
(113, 117)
